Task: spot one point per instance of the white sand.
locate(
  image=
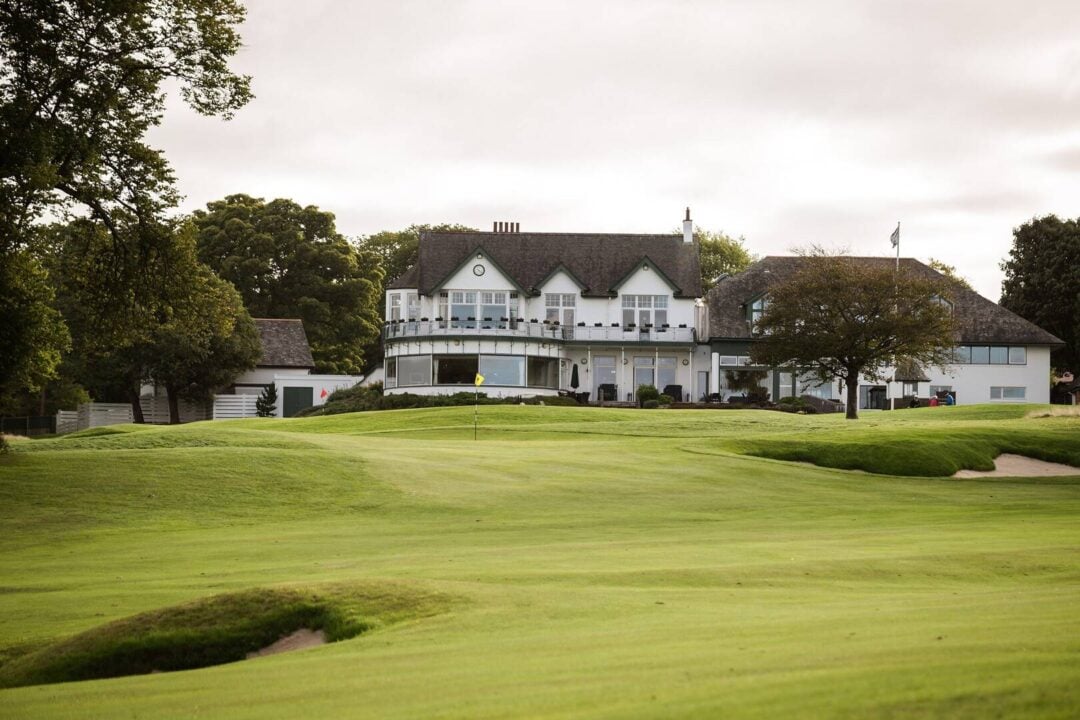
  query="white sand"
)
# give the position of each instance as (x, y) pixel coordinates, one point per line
(299, 640)
(1006, 465)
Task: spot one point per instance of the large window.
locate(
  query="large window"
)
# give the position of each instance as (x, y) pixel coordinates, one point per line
(560, 307)
(484, 309)
(503, 369)
(462, 309)
(412, 307)
(413, 370)
(991, 355)
(543, 372)
(666, 372)
(644, 371)
(1008, 393)
(456, 369)
(496, 369)
(395, 307)
(390, 379)
(645, 310)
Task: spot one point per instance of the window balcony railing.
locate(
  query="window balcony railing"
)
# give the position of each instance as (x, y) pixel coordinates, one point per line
(540, 330)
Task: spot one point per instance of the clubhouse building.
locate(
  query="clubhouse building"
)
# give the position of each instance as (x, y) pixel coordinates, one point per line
(601, 314)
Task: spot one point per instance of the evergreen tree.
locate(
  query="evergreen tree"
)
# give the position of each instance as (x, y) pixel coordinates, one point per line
(266, 404)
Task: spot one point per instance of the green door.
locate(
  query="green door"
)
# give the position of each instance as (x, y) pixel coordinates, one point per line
(297, 399)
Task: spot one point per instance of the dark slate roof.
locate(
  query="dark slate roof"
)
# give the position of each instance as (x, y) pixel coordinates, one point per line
(284, 343)
(598, 261)
(979, 319)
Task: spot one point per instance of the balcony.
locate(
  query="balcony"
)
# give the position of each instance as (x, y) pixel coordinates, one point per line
(533, 329)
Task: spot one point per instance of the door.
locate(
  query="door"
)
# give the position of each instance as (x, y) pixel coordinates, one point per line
(297, 399)
(604, 387)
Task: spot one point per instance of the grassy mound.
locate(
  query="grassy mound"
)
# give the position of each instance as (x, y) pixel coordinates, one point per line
(211, 631)
(938, 452)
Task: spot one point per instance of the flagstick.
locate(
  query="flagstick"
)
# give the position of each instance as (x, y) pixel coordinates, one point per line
(476, 403)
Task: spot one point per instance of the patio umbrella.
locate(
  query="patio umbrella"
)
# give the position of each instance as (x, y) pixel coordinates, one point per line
(574, 377)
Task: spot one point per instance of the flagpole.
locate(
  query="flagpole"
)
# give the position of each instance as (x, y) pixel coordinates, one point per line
(476, 403)
(897, 246)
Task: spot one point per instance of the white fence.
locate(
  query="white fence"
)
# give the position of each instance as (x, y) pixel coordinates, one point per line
(67, 421)
(156, 410)
(94, 414)
(228, 407)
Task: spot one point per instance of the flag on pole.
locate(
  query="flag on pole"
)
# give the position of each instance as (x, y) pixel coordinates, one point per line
(479, 380)
(323, 393)
(895, 237)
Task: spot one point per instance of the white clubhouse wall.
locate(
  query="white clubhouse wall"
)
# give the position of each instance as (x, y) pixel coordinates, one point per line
(588, 310)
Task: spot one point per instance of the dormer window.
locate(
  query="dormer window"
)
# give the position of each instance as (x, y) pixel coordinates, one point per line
(395, 307)
(560, 307)
(757, 309)
(644, 310)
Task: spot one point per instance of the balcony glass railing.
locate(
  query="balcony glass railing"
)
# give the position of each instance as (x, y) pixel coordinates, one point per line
(407, 329)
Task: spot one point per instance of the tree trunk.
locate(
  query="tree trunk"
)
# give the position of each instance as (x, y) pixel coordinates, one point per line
(136, 406)
(853, 397)
(174, 406)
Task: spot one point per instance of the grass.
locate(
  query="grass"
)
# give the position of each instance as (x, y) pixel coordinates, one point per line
(573, 562)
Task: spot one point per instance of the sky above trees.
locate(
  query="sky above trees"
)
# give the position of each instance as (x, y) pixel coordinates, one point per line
(787, 122)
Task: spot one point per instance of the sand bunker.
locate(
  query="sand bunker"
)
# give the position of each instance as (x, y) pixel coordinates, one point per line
(1006, 465)
(299, 640)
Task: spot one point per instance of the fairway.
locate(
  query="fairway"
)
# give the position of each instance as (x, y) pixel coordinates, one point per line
(572, 562)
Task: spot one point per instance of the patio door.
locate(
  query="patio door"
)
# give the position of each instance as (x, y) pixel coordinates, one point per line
(604, 385)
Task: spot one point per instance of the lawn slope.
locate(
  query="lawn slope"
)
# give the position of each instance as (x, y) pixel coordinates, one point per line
(572, 562)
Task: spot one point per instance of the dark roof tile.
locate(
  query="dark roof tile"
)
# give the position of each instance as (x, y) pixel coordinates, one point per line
(599, 261)
(979, 319)
(284, 343)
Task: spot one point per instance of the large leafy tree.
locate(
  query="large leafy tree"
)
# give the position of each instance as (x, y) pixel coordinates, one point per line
(81, 83)
(397, 249)
(32, 332)
(839, 317)
(180, 327)
(290, 261)
(1042, 282)
(720, 254)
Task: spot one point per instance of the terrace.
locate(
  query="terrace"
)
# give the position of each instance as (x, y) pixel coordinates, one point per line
(540, 330)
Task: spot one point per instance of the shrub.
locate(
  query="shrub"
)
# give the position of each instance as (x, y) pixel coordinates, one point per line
(646, 393)
(665, 399)
(650, 404)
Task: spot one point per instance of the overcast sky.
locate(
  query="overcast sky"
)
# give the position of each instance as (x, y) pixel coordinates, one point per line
(788, 122)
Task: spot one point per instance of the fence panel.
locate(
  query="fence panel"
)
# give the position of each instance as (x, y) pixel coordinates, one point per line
(234, 406)
(156, 410)
(94, 414)
(67, 421)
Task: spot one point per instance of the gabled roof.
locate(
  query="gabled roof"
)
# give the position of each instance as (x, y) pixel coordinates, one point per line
(598, 261)
(980, 321)
(284, 344)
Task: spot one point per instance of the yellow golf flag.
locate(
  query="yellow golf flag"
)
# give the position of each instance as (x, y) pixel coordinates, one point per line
(479, 380)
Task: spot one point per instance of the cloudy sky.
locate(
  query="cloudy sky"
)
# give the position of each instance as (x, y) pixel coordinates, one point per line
(788, 122)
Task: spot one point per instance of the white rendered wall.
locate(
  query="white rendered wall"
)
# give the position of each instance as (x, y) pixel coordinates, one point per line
(587, 310)
(972, 383)
(317, 383)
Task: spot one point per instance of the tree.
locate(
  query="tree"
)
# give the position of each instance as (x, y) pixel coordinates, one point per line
(397, 249)
(950, 272)
(749, 381)
(720, 254)
(1042, 282)
(32, 333)
(181, 326)
(289, 261)
(80, 87)
(266, 403)
(841, 317)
